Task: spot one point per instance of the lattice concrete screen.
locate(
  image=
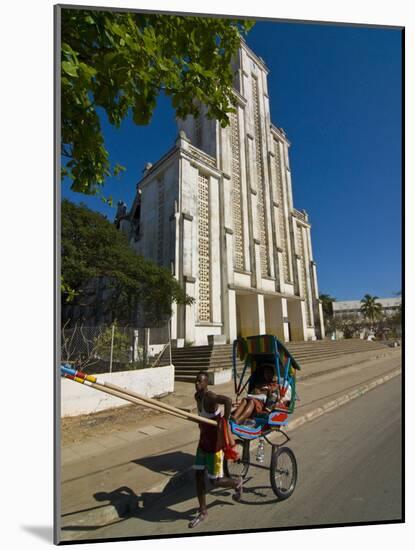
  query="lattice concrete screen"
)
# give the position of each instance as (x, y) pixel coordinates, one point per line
(260, 180)
(203, 248)
(303, 274)
(281, 217)
(238, 245)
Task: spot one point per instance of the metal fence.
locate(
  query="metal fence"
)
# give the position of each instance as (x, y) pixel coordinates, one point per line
(109, 348)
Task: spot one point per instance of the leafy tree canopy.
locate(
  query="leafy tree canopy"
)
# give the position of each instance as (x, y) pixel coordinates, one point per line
(120, 62)
(92, 248)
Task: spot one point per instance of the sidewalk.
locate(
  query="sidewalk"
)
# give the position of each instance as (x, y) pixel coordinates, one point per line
(105, 478)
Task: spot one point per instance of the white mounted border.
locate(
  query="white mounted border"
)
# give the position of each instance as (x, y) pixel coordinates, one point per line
(80, 399)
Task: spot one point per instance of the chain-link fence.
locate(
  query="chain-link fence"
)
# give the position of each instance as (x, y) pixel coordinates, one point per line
(111, 348)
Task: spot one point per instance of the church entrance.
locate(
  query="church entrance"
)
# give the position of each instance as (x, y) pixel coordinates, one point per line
(238, 320)
(273, 317)
(296, 320)
(247, 317)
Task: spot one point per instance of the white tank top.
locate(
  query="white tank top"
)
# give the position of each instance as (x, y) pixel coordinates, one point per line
(206, 414)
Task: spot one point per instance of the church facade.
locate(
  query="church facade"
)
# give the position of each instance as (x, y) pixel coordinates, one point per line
(217, 210)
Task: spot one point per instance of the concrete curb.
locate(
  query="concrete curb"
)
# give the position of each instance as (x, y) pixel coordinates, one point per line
(124, 507)
(342, 400)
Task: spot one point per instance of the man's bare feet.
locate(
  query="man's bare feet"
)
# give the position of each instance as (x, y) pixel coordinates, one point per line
(198, 519)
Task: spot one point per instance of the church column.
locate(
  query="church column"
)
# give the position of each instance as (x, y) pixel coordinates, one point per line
(265, 138)
(226, 213)
(307, 275)
(285, 211)
(273, 219)
(279, 220)
(230, 321)
(317, 307)
(226, 243)
(245, 193)
(261, 313)
(301, 261)
(285, 319)
(252, 209)
(175, 265)
(188, 276)
(260, 178)
(215, 253)
(287, 173)
(286, 223)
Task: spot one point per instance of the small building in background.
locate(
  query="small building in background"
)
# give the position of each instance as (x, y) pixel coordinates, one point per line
(349, 321)
(349, 308)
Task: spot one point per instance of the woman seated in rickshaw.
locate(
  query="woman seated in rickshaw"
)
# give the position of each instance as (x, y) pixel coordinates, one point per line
(264, 396)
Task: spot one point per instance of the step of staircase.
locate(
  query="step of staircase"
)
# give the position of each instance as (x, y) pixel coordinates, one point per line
(190, 360)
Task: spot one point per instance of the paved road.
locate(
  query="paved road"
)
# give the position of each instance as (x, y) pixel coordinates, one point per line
(349, 472)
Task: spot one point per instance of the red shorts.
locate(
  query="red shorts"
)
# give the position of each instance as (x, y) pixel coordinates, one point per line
(258, 405)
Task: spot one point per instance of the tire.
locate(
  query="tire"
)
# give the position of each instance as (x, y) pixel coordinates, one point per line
(241, 466)
(283, 472)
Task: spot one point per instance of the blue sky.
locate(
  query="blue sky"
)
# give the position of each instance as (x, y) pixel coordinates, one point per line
(336, 90)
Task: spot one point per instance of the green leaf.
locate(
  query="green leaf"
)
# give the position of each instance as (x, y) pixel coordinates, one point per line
(107, 200)
(118, 169)
(88, 70)
(70, 68)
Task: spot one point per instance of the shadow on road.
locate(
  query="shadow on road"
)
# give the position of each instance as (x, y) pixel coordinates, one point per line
(161, 506)
(168, 464)
(127, 503)
(252, 494)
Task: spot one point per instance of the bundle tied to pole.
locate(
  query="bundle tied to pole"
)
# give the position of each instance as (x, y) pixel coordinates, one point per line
(128, 395)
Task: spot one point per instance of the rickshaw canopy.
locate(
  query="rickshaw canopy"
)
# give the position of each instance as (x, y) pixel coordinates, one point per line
(257, 351)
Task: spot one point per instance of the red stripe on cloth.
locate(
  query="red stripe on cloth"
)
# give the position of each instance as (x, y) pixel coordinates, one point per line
(241, 430)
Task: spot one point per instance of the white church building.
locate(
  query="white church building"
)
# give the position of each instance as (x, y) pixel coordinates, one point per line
(217, 210)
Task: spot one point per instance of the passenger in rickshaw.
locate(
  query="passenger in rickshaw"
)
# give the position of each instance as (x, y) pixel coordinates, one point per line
(254, 402)
(280, 398)
(264, 397)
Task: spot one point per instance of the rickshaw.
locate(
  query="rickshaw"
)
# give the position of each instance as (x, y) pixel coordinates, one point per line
(256, 352)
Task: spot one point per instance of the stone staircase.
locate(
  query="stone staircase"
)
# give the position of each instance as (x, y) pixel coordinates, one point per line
(188, 361)
(217, 360)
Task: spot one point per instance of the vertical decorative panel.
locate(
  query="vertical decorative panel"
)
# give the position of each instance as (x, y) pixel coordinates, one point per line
(265, 267)
(238, 249)
(203, 248)
(303, 274)
(160, 233)
(281, 218)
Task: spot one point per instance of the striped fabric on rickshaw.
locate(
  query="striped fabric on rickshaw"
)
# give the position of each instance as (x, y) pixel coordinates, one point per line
(261, 344)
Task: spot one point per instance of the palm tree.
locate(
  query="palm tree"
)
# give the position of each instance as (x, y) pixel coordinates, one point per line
(371, 309)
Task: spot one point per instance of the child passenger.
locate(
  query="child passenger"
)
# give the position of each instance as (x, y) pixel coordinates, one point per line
(255, 401)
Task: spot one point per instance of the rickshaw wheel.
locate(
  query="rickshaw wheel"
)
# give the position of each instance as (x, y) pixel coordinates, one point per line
(240, 467)
(283, 472)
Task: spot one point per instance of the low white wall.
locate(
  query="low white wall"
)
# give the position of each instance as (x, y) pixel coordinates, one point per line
(220, 376)
(81, 399)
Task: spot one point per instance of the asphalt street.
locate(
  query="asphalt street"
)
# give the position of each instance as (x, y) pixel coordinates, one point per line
(349, 471)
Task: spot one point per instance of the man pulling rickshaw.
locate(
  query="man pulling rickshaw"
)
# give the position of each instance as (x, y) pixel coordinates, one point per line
(270, 399)
(210, 454)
